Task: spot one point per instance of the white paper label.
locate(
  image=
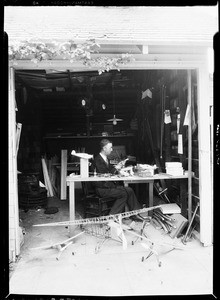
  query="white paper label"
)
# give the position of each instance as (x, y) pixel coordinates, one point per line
(178, 123)
(180, 143)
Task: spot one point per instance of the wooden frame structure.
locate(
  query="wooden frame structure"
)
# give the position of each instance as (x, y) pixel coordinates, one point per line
(197, 62)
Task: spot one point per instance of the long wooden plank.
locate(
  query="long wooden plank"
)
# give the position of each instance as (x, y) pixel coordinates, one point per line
(18, 134)
(46, 178)
(63, 174)
(45, 181)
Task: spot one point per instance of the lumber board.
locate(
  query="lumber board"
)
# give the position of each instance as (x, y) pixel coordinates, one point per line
(18, 134)
(46, 178)
(45, 181)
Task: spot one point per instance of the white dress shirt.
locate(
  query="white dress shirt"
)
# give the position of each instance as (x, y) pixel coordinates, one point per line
(104, 157)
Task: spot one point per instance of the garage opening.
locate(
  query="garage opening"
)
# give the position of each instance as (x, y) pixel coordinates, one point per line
(143, 112)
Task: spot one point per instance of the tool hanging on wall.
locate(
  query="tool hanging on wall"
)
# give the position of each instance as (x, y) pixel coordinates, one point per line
(161, 192)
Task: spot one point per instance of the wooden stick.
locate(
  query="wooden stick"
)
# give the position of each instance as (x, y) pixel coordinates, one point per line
(18, 134)
(53, 179)
(47, 179)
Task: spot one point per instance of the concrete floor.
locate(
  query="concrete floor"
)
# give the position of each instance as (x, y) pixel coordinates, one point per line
(110, 272)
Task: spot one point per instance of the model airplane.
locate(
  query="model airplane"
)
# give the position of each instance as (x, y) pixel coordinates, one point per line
(101, 219)
(82, 155)
(104, 227)
(114, 120)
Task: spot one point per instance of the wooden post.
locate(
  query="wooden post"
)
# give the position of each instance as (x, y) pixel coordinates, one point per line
(63, 174)
(205, 185)
(72, 206)
(151, 196)
(189, 85)
(13, 192)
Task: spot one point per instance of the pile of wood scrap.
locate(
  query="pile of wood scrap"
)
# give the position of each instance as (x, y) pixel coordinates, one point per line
(170, 224)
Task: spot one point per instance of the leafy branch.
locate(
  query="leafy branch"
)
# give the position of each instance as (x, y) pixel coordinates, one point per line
(38, 51)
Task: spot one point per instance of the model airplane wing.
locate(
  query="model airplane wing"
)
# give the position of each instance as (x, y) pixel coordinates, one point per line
(82, 155)
(115, 119)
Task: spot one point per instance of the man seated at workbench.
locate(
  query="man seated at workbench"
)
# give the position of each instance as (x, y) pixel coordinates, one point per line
(124, 196)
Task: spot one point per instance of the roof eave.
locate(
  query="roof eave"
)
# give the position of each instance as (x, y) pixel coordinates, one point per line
(158, 42)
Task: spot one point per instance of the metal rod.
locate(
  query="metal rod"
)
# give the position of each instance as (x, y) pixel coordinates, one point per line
(190, 224)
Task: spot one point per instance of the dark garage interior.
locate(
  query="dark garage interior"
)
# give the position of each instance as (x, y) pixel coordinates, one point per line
(75, 110)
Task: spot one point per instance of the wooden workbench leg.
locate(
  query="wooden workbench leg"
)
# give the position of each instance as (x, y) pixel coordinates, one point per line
(72, 206)
(63, 174)
(151, 196)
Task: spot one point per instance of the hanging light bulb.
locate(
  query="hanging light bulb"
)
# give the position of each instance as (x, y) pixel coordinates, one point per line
(114, 120)
(103, 106)
(83, 102)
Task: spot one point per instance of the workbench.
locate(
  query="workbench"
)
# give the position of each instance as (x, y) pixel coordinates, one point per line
(71, 180)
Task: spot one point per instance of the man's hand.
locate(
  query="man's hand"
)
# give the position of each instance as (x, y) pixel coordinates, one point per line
(118, 166)
(121, 164)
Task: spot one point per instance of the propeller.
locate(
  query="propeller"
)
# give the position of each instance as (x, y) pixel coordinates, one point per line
(114, 120)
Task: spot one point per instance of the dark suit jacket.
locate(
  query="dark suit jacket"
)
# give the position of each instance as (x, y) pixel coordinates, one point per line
(102, 167)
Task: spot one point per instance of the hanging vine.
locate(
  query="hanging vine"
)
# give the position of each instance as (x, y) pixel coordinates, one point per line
(38, 51)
